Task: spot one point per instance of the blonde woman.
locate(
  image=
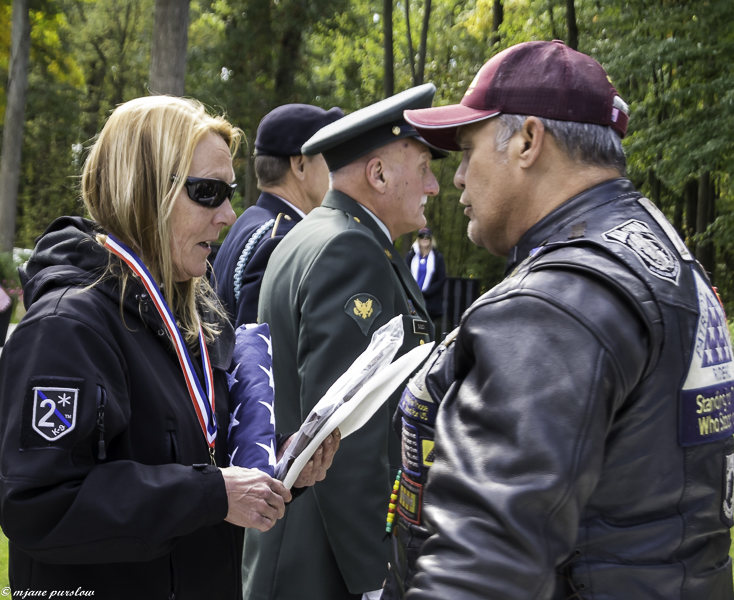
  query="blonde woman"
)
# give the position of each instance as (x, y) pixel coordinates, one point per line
(113, 390)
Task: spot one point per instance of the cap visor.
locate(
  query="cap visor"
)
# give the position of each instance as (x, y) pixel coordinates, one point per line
(438, 125)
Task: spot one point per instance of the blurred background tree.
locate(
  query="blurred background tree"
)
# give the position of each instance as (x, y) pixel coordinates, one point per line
(671, 61)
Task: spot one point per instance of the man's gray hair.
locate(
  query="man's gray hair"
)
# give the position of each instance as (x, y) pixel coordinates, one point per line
(596, 145)
(271, 170)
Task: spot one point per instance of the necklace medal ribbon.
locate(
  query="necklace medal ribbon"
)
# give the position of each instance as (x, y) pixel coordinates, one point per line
(203, 402)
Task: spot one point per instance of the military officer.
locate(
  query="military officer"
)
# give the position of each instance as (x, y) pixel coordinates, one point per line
(332, 282)
(292, 185)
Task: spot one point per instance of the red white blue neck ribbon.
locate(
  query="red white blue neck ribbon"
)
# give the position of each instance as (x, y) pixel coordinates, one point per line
(203, 403)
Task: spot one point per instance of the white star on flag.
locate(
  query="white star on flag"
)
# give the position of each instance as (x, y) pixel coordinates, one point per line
(64, 400)
(271, 408)
(231, 380)
(271, 452)
(231, 457)
(271, 383)
(269, 342)
(233, 420)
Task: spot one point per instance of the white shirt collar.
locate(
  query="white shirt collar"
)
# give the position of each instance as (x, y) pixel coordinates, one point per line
(380, 224)
(293, 206)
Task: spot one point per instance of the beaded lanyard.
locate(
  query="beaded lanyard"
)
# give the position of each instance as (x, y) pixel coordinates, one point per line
(203, 402)
(393, 503)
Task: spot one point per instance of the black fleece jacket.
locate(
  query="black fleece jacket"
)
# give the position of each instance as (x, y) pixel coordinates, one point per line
(111, 491)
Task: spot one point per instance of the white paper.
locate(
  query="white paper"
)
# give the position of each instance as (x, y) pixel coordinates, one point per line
(352, 415)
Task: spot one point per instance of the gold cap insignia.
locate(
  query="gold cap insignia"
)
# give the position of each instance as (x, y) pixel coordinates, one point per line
(396, 130)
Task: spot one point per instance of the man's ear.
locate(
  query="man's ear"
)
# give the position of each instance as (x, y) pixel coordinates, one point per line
(375, 172)
(532, 138)
(298, 166)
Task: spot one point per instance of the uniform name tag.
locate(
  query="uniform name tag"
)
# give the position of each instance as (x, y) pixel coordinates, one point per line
(707, 396)
(420, 327)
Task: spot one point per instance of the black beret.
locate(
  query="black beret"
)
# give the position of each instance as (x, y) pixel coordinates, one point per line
(370, 128)
(283, 130)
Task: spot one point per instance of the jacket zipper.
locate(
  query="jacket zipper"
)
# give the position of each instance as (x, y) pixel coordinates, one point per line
(101, 403)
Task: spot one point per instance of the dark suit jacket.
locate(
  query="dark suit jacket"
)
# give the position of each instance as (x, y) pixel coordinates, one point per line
(433, 294)
(268, 209)
(331, 543)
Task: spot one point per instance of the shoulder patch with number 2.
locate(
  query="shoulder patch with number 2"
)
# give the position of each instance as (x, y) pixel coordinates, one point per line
(49, 410)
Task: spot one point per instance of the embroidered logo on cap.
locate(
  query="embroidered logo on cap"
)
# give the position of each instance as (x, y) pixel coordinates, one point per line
(652, 253)
(364, 309)
(54, 411)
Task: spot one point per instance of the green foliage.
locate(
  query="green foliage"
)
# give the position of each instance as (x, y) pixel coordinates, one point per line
(671, 61)
(3, 561)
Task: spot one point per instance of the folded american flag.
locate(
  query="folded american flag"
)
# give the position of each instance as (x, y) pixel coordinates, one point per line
(251, 437)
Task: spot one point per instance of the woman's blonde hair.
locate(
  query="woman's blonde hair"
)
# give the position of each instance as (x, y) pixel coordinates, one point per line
(128, 188)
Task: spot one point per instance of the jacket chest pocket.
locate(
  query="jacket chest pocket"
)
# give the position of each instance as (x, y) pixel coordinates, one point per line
(172, 441)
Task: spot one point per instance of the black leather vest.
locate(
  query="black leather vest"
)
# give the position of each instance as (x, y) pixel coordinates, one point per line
(659, 516)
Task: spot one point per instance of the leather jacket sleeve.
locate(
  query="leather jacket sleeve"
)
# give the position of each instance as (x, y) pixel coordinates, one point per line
(539, 373)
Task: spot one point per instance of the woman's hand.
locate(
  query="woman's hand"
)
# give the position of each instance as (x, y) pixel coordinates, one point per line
(315, 469)
(255, 499)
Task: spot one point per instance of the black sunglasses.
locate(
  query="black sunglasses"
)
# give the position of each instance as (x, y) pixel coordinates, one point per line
(208, 192)
(424, 236)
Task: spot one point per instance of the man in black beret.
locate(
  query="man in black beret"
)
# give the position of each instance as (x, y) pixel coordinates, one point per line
(292, 185)
(329, 286)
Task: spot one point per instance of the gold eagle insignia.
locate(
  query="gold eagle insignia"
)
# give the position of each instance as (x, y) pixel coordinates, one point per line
(363, 309)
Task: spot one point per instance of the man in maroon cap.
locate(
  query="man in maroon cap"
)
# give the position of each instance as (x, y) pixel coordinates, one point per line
(583, 445)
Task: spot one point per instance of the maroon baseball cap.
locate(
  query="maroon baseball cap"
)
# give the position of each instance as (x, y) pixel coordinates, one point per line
(542, 79)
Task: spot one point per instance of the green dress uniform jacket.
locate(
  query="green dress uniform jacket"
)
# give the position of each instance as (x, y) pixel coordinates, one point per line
(331, 283)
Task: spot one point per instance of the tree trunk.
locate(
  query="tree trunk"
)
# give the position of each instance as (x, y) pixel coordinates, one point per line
(389, 74)
(498, 15)
(678, 215)
(288, 54)
(168, 52)
(554, 33)
(411, 55)
(704, 247)
(655, 187)
(691, 210)
(573, 30)
(14, 120)
(422, 49)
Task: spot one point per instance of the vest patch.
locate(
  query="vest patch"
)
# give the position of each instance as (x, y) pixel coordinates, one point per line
(410, 500)
(409, 449)
(707, 396)
(727, 507)
(427, 447)
(417, 409)
(652, 253)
